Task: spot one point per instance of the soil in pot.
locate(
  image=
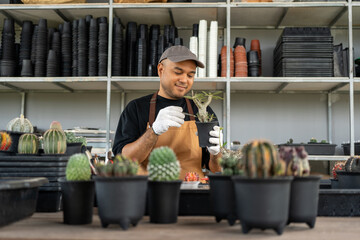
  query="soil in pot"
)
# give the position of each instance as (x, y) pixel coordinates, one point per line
(262, 203)
(78, 201)
(203, 132)
(222, 197)
(304, 200)
(163, 197)
(121, 200)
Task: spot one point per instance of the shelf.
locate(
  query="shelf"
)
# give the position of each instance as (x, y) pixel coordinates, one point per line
(327, 158)
(152, 83)
(283, 84)
(274, 15)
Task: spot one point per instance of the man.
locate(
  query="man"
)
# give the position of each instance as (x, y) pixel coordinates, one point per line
(159, 119)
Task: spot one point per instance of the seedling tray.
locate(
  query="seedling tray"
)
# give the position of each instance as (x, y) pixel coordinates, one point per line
(18, 198)
(339, 202)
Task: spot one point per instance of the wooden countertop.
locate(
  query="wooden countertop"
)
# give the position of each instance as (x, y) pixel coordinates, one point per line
(50, 226)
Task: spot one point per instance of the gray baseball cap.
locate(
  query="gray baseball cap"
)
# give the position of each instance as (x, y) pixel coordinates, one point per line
(178, 54)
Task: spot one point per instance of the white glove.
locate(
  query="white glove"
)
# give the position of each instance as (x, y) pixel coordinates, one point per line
(171, 116)
(217, 138)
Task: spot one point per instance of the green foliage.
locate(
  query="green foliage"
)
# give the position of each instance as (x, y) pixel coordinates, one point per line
(72, 138)
(120, 167)
(324, 141)
(313, 140)
(163, 165)
(202, 100)
(78, 168)
(290, 141)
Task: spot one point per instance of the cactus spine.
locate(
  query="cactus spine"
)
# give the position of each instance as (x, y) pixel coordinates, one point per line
(261, 160)
(5, 141)
(297, 163)
(28, 144)
(163, 165)
(20, 124)
(78, 168)
(353, 164)
(54, 139)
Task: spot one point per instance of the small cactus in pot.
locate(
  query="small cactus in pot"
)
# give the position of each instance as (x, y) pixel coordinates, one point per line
(121, 166)
(54, 139)
(353, 164)
(5, 141)
(337, 166)
(20, 124)
(28, 144)
(163, 165)
(230, 162)
(297, 163)
(78, 168)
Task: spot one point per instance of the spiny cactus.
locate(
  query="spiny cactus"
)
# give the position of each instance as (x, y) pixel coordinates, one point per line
(230, 162)
(54, 139)
(295, 158)
(337, 166)
(71, 138)
(353, 164)
(5, 141)
(163, 165)
(202, 100)
(260, 160)
(121, 167)
(20, 124)
(28, 144)
(78, 168)
(191, 176)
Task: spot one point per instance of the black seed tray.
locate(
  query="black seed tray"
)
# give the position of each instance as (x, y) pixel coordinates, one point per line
(305, 63)
(306, 47)
(58, 158)
(339, 202)
(32, 164)
(52, 176)
(31, 169)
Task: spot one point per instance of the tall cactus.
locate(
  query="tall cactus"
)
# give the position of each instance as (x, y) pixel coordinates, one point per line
(54, 139)
(20, 124)
(353, 164)
(163, 165)
(5, 141)
(28, 144)
(260, 160)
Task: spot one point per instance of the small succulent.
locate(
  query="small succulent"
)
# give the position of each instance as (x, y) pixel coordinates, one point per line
(336, 167)
(297, 163)
(72, 138)
(120, 167)
(230, 162)
(313, 140)
(191, 176)
(324, 141)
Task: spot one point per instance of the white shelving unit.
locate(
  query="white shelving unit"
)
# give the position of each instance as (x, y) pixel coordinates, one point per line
(230, 16)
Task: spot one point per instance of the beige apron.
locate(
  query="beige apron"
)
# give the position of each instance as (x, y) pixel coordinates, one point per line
(183, 140)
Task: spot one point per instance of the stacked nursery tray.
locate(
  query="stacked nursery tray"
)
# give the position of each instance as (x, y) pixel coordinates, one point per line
(51, 167)
(304, 52)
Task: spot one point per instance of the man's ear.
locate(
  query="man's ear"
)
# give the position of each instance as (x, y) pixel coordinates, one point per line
(160, 69)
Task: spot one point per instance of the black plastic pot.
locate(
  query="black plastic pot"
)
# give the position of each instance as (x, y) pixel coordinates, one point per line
(346, 148)
(164, 201)
(304, 200)
(348, 180)
(222, 197)
(18, 198)
(203, 132)
(262, 203)
(121, 200)
(78, 201)
(334, 183)
(73, 148)
(15, 136)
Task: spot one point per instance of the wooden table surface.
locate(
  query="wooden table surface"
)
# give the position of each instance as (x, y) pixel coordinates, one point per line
(50, 226)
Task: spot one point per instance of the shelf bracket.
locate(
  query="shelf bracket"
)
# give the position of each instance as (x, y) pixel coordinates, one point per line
(60, 14)
(281, 18)
(117, 86)
(8, 15)
(340, 85)
(338, 16)
(281, 87)
(64, 87)
(12, 87)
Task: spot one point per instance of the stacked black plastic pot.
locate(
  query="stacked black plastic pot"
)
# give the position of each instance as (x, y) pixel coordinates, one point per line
(118, 60)
(103, 48)
(25, 49)
(304, 52)
(41, 48)
(93, 47)
(66, 49)
(8, 64)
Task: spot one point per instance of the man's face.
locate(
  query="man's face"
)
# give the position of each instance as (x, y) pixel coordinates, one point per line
(176, 79)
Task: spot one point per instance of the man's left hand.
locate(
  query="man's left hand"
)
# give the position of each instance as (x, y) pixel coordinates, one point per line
(216, 138)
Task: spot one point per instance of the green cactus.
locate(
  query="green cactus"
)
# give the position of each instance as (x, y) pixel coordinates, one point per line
(54, 139)
(295, 158)
(260, 160)
(71, 138)
(353, 164)
(20, 124)
(121, 167)
(313, 140)
(78, 168)
(163, 165)
(28, 144)
(230, 162)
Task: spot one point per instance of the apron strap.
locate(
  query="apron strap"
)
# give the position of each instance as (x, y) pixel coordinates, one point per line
(153, 109)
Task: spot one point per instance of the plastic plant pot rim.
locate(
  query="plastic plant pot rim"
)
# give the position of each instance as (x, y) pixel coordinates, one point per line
(117, 179)
(21, 182)
(268, 179)
(64, 180)
(343, 172)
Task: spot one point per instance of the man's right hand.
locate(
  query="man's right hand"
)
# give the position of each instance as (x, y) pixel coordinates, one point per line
(171, 116)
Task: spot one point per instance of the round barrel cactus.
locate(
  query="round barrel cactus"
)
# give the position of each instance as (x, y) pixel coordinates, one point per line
(54, 139)
(78, 168)
(163, 165)
(353, 164)
(20, 124)
(28, 144)
(5, 141)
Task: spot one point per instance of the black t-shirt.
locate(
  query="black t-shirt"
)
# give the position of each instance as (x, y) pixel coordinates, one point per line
(133, 121)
